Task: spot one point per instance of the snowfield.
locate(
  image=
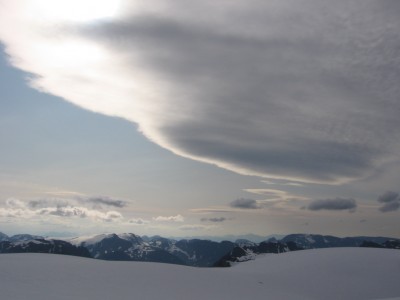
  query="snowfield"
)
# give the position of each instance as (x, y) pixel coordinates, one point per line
(335, 273)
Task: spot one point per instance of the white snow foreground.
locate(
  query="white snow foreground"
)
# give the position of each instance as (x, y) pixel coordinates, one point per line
(335, 273)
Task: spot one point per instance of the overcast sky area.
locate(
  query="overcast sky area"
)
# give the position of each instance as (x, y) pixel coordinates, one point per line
(193, 118)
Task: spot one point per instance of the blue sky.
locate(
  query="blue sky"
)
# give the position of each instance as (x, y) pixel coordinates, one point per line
(156, 119)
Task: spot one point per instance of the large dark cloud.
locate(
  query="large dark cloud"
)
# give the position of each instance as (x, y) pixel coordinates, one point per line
(282, 100)
(245, 203)
(333, 204)
(299, 89)
(390, 201)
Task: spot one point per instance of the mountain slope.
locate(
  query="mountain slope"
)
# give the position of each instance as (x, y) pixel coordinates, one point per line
(43, 246)
(336, 273)
(130, 247)
(126, 247)
(245, 252)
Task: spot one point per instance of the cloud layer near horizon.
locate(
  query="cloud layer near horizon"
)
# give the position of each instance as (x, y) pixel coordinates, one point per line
(66, 208)
(304, 90)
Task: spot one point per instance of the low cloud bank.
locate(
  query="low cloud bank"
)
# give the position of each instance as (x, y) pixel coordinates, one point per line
(65, 208)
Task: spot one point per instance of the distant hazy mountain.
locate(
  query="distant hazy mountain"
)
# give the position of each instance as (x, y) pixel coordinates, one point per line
(24, 237)
(232, 238)
(42, 246)
(18, 237)
(312, 241)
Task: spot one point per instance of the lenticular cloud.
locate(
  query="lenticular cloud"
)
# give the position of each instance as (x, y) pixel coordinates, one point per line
(300, 89)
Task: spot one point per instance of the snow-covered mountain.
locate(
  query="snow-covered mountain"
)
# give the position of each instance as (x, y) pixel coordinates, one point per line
(127, 246)
(244, 252)
(326, 274)
(294, 242)
(191, 252)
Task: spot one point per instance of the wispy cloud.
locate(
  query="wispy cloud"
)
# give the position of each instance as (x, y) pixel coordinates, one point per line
(274, 194)
(102, 200)
(214, 220)
(210, 210)
(316, 101)
(284, 183)
(275, 199)
(64, 199)
(177, 218)
(333, 204)
(138, 221)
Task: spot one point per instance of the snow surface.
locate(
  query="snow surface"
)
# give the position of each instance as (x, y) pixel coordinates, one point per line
(334, 273)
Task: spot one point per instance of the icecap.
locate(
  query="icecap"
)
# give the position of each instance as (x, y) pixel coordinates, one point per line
(336, 273)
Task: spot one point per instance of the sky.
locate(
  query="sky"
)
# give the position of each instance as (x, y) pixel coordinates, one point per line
(200, 118)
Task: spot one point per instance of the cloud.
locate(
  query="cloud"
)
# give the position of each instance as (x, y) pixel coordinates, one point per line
(284, 183)
(214, 220)
(391, 206)
(41, 203)
(333, 204)
(209, 210)
(389, 197)
(390, 201)
(278, 200)
(65, 199)
(177, 218)
(102, 200)
(275, 195)
(40, 208)
(82, 212)
(138, 221)
(299, 90)
(245, 203)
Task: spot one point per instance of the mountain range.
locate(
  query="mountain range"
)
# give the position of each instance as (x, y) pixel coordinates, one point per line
(190, 252)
